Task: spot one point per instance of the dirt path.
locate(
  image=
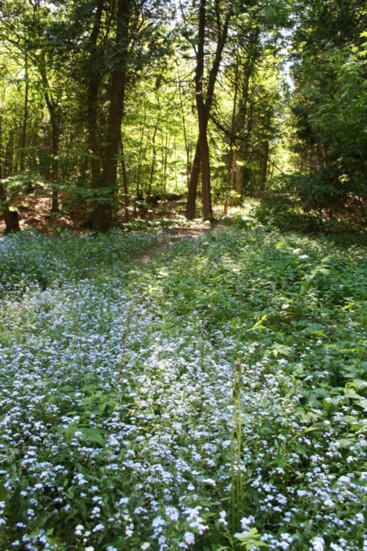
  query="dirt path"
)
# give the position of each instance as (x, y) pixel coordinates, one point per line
(174, 235)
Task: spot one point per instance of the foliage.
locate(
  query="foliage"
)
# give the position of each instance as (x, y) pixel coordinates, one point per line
(56, 71)
(117, 400)
(329, 110)
(36, 261)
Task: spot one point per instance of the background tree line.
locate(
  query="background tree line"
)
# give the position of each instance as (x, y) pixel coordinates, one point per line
(107, 102)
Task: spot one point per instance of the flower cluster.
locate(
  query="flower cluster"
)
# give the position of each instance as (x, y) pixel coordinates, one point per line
(117, 425)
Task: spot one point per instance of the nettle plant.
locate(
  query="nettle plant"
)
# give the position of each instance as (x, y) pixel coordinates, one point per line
(212, 398)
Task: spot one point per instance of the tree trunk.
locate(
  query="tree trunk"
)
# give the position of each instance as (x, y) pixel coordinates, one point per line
(55, 124)
(93, 85)
(125, 182)
(140, 157)
(264, 168)
(9, 156)
(55, 165)
(244, 115)
(102, 216)
(166, 143)
(202, 159)
(193, 185)
(187, 146)
(203, 117)
(23, 142)
(206, 196)
(154, 156)
(231, 162)
(240, 182)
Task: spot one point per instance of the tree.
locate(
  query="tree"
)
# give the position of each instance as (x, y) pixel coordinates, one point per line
(330, 109)
(27, 27)
(243, 35)
(204, 100)
(119, 44)
(101, 49)
(102, 215)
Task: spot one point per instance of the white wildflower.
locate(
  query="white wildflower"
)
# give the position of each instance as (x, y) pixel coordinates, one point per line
(79, 530)
(318, 544)
(189, 538)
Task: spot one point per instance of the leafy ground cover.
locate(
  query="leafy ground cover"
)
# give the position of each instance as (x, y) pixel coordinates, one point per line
(214, 398)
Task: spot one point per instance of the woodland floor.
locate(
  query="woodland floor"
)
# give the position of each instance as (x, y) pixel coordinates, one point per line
(35, 212)
(183, 387)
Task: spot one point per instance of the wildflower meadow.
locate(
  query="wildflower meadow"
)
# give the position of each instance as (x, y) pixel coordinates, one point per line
(213, 397)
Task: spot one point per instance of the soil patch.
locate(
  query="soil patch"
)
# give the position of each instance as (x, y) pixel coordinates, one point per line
(176, 234)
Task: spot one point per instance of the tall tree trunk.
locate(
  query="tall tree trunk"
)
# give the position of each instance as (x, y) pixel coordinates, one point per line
(203, 117)
(93, 85)
(102, 216)
(23, 142)
(166, 143)
(244, 118)
(125, 181)
(55, 124)
(55, 165)
(231, 163)
(206, 196)
(202, 159)
(264, 168)
(140, 157)
(9, 156)
(187, 146)
(193, 185)
(154, 157)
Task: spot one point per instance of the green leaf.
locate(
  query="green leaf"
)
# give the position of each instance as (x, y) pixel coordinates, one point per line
(93, 435)
(345, 442)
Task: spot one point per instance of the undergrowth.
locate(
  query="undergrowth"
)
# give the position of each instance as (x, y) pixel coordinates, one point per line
(213, 399)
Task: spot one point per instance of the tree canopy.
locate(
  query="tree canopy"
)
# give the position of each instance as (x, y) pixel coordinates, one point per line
(105, 105)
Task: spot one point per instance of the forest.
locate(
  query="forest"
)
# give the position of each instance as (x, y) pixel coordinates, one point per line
(109, 107)
(183, 275)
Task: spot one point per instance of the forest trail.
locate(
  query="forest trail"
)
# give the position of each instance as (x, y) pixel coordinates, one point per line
(175, 234)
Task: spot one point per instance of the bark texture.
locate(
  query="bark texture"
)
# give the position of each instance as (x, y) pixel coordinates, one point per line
(102, 215)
